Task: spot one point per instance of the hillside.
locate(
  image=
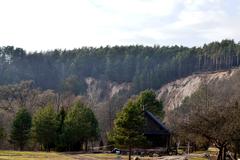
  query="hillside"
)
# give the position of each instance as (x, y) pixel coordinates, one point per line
(105, 78)
(173, 94)
(109, 99)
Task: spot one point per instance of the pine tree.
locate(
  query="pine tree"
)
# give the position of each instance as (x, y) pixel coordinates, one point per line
(60, 142)
(128, 127)
(45, 127)
(147, 99)
(80, 126)
(21, 127)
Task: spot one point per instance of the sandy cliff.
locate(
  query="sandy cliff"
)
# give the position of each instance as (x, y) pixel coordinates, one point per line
(173, 94)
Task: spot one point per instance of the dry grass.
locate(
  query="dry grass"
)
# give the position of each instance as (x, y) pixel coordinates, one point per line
(25, 155)
(17, 155)
(197, 158)
(12, 155)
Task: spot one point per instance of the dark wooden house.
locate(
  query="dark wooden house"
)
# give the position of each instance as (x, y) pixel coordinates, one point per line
(158, 136)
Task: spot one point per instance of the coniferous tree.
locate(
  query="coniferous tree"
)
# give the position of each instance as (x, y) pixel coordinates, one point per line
(60, 142)
(128, 127)
(147, 99)
(45, 127)
(21, 127)
(80, 126)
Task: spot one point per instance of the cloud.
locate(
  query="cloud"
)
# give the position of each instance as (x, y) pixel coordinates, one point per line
(202, 21)
(49, 24)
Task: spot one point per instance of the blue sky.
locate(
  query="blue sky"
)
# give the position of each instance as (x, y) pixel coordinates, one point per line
(49, 24)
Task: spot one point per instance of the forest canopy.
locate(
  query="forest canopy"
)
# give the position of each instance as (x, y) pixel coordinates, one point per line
(144, 66)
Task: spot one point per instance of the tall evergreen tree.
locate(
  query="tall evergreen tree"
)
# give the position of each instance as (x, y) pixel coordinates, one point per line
(21, 127)
(45, 127)
(90, 126)
(147, 99)
(128, 127)
(60, 142)
(80, 126)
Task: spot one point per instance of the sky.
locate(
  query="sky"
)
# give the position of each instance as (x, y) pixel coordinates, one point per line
(67, 24)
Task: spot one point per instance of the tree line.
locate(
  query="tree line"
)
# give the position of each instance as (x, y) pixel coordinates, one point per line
(14, 96)
(145, 67)
(46, 129)
(76, 128)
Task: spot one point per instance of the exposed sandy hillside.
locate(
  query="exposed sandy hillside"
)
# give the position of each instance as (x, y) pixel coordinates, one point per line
(174, 93)
(98, 90)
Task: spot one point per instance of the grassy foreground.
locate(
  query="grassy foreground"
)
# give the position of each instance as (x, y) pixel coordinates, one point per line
(26, 155)
(12, 155)
(17, 155)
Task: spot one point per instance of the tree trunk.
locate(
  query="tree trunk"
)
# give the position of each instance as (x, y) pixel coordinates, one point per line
(130, 153)
(86, 146)
(216, 63)
(199, 63)
(220, 62)
(48, 148)
(92, 145)
(235, 155)
(220, 153)
(224, 153)
(237, 59)
(21, 147)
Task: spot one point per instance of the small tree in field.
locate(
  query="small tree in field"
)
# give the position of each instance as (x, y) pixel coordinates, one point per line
(45, 127)
(21, 127)
(128, 127)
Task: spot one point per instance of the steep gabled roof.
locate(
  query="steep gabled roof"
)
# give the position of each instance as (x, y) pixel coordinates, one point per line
(161, 129)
